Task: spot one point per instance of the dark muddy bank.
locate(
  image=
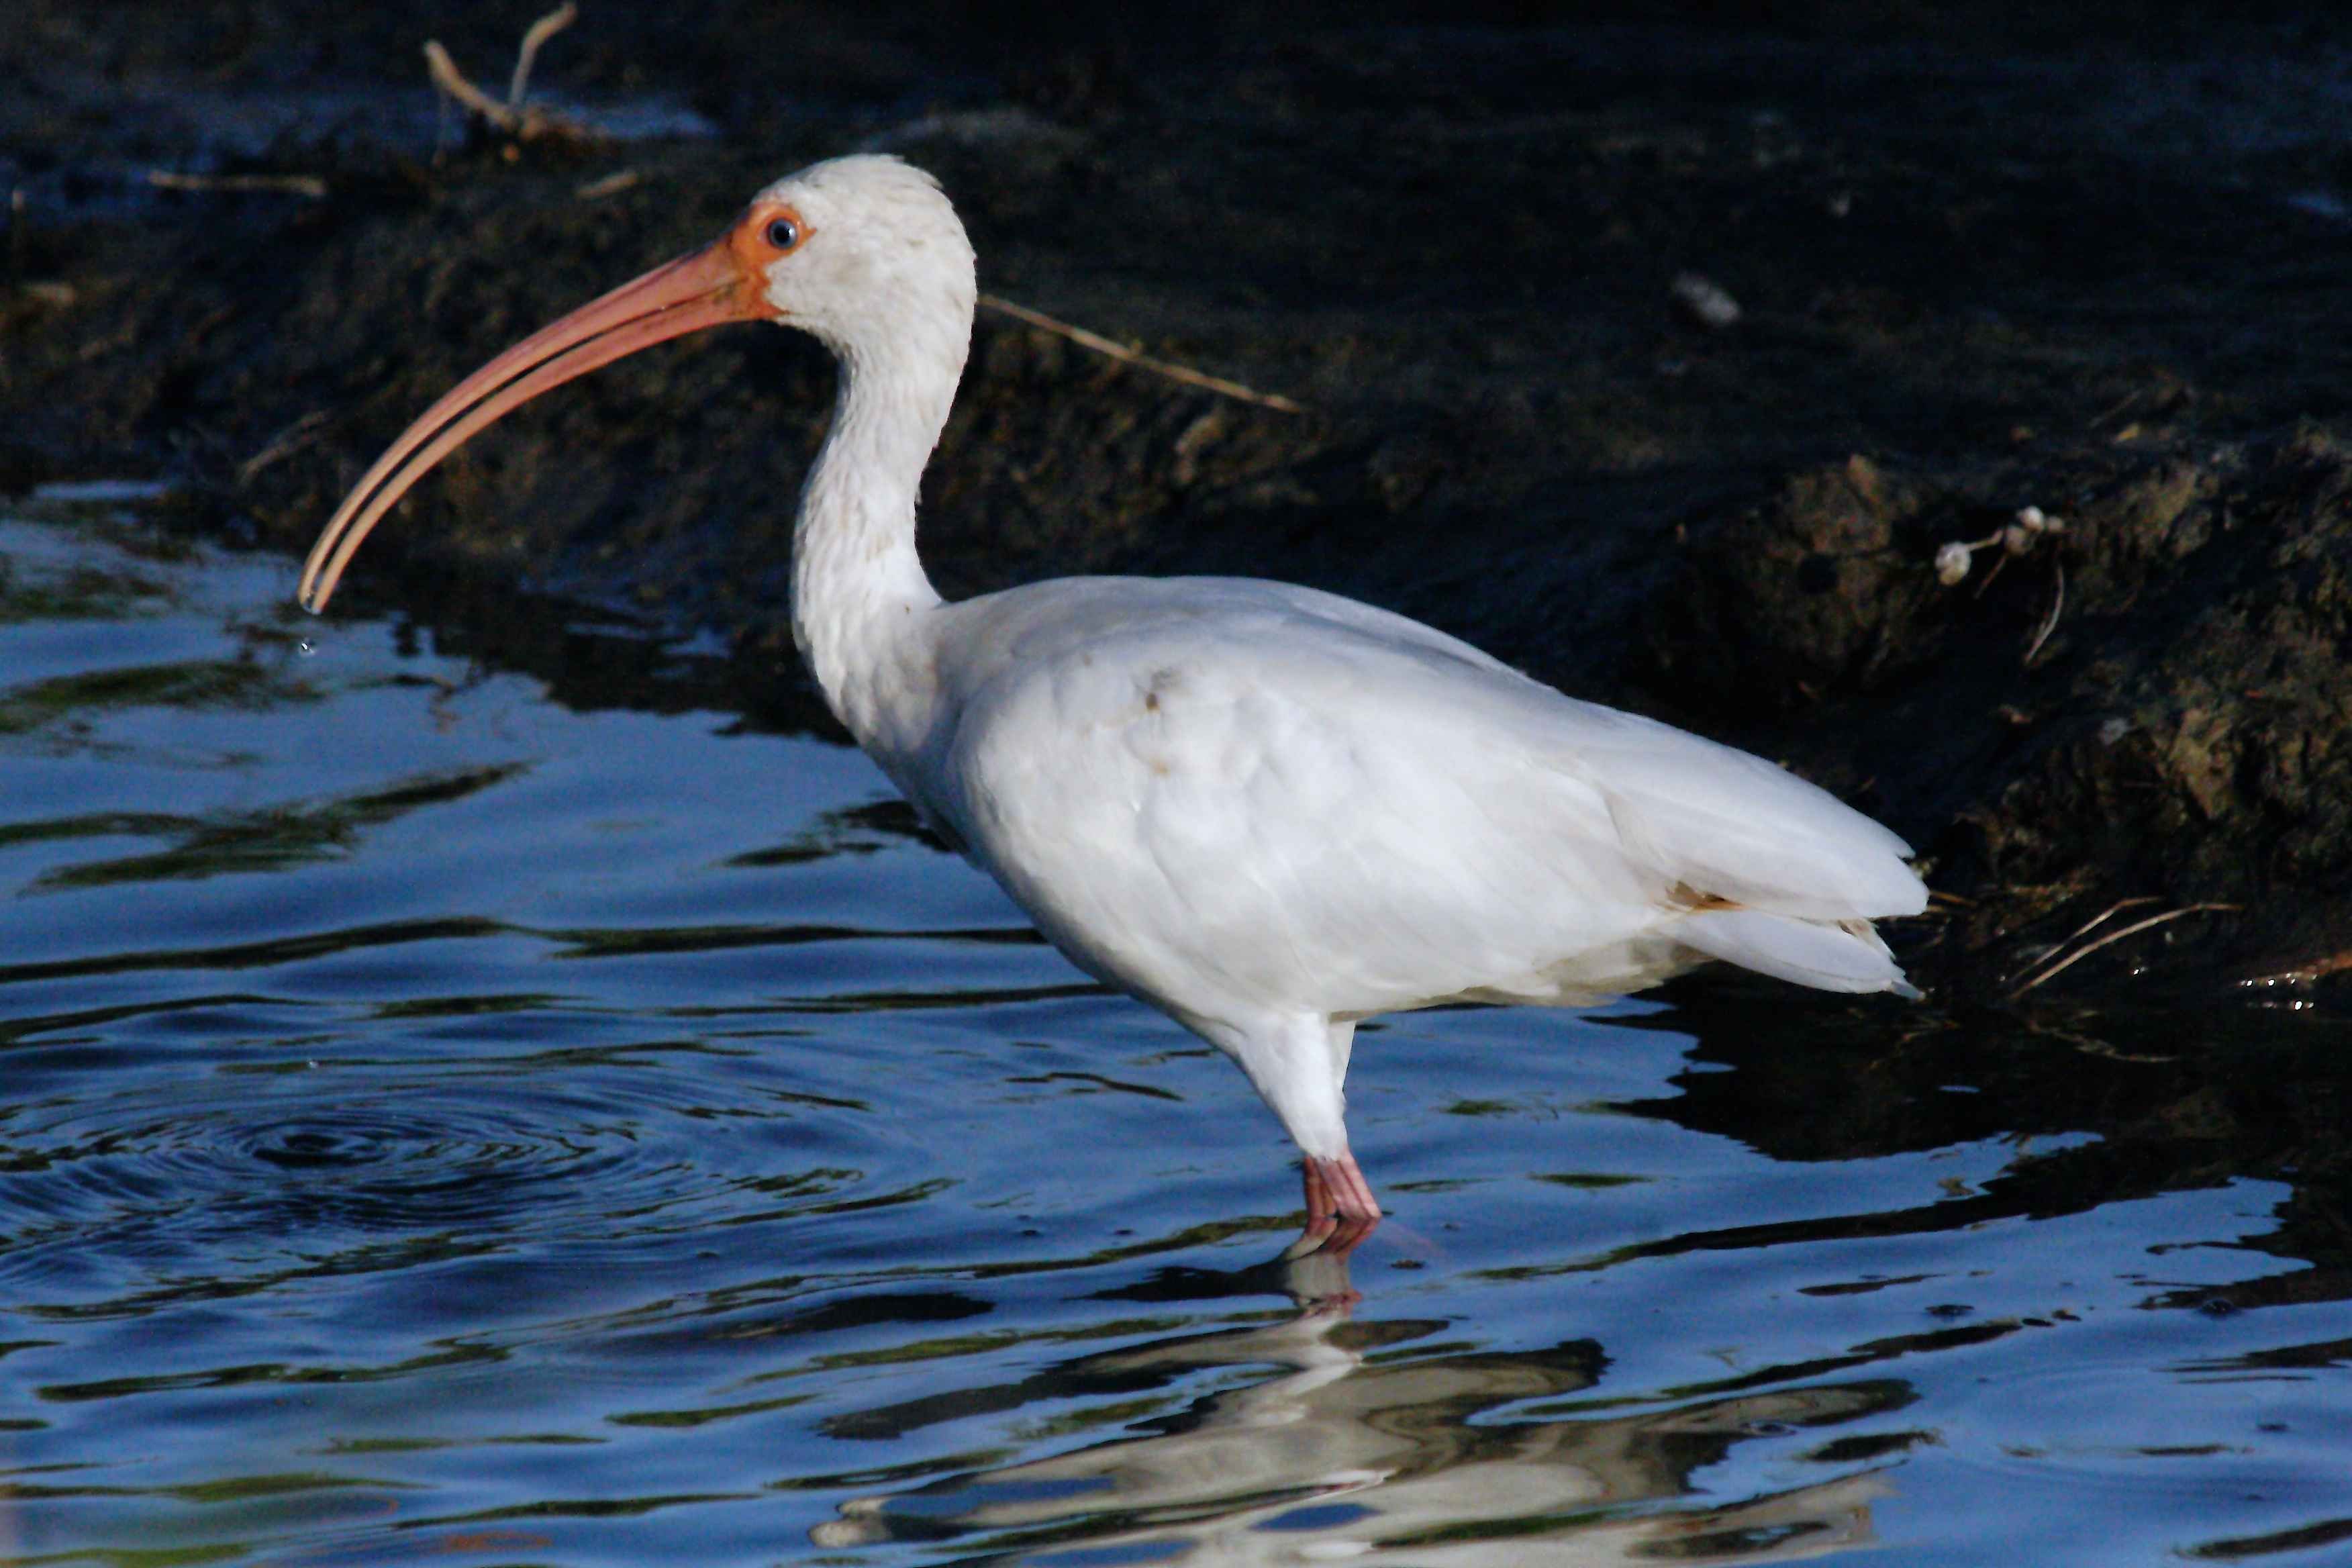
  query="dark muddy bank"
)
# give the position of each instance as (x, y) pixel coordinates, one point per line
(2094, 265)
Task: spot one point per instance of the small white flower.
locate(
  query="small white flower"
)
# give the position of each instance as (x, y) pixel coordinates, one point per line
(1951, 563)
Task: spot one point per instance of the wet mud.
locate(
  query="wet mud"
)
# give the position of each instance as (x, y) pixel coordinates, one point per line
(1682, 364)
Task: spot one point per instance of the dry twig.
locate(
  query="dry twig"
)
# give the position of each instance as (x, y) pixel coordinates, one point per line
(285, 444)
(512, 117)
(451, 81)
(2049, 621)
(2132, 929)
(2103, 916)
(1125, 356)
(611, 185)
(546, 27)
(2301, 974)
(309, 186)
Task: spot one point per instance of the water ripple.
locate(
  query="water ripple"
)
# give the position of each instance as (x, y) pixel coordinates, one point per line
(124, 1207)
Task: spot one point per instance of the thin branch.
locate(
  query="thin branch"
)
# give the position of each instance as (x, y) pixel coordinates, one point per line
(1999, 562)
(512, 117)
(309, 186)
(2103, 916)
(1121, 351)
(2113, 936)
(285, 444)
(611, 184)
(451, 81)
(2049, 621)
(546, 27)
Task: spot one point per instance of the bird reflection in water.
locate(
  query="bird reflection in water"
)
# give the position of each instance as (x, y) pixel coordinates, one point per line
(1347, 1453)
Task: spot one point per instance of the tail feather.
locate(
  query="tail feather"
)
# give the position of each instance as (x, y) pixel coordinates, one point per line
(1828, 955)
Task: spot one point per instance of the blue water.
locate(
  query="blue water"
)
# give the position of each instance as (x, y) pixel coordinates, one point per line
(443, 1125)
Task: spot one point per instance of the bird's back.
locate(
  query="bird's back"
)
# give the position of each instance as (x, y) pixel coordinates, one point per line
(1225, 794)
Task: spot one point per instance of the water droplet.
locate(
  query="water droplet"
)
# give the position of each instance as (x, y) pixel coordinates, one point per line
(305, 647)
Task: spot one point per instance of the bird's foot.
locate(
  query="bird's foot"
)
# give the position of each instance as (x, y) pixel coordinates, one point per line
(1340, 1208)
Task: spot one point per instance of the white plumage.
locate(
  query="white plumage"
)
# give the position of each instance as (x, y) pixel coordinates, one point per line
(1267, 810)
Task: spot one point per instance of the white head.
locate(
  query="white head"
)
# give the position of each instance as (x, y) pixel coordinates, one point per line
(872, 251)
(865, 252)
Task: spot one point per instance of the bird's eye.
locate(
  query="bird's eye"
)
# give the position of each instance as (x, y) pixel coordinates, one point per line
(783, 233)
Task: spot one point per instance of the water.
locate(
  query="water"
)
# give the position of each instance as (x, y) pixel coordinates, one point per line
(443, 1125)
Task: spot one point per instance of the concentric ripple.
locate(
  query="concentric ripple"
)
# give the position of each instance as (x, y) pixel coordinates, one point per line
(215, 1187)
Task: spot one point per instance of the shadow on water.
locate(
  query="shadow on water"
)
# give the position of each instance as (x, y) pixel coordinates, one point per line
(447, 1123)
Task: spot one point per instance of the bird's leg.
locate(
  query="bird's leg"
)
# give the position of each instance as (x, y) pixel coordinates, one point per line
(1319, 1209)
(1340, 1208)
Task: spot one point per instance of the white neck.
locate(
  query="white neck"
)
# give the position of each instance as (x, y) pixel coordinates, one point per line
(860, 597)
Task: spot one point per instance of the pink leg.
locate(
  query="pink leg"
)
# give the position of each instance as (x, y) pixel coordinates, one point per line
(1319, 1207)
(1340, 1208)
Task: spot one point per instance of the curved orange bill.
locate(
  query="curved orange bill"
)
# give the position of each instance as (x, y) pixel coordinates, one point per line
(704, 290)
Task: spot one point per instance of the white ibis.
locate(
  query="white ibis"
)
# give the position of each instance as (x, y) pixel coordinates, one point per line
(1269, 811)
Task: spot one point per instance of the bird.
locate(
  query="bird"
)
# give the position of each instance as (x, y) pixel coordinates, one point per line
(1269, 811)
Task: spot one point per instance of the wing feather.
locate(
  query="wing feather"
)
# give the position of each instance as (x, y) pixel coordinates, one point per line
(1218, 791)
